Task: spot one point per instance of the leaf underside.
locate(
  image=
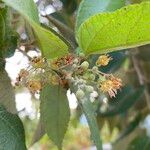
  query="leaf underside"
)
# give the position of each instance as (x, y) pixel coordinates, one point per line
(55, 112)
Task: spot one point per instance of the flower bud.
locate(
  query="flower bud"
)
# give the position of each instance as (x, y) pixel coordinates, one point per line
(89, 89)
(92, 77)
(92, 99)
(75, 61)
(85, 65)
(102, 78)
(74, 66)
(103, 108)
(94, 94)
(95, 69)
(80, 94)
(81, 55)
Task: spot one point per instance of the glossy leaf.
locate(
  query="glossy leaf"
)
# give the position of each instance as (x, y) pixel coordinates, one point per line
(123, 101)
(12, 135)
(55, 113)
(124, 28)
(89, 8)
(50, 44)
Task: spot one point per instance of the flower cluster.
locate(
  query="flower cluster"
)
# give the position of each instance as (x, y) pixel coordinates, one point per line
(69, 70)
(98, 81)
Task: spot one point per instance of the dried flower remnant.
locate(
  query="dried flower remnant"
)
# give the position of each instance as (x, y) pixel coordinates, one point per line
(103, 60)
(62, 62)
(84, 65)
(22, 74)
(38, 62)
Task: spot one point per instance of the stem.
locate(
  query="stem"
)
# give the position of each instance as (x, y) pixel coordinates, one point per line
(140, 75)
(91, 119)
(89, 112)
(24, 53)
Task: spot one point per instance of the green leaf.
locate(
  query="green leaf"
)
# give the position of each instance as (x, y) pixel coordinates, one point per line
(124, 28)
(55, 112)
(12, 135)
(9, 37)
(7, 95)
(2, 29)
(123, 101)
(89, 8)
(50, 44)
(91, 119)
(140, 143)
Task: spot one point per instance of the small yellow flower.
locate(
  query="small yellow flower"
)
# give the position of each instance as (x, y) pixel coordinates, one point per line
(34, 86)
(111, 86)
(103, 60)
(106, 85)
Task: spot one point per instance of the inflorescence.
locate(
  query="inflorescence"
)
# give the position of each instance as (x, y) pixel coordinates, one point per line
(68, 70)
